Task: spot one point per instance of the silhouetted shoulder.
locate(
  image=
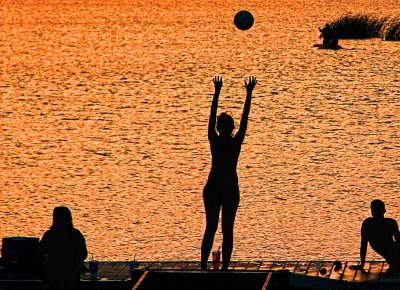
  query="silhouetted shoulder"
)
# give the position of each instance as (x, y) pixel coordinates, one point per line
(367, 227)
(51, 238)
(368, 221)
(46, 239)
(78, 236)
(46, 234)
(391, 222)
(78, 233)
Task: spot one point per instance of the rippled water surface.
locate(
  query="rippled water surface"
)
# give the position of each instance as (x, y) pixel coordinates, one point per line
(104, 109)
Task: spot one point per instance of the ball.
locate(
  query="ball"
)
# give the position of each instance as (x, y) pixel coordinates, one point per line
(243, 20)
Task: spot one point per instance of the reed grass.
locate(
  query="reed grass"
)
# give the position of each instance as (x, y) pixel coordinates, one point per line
(391, 29)
(359, 26)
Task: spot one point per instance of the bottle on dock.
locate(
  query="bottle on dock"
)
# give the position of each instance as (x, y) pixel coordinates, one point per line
(216, 259)
(93, 268)
(133, 264)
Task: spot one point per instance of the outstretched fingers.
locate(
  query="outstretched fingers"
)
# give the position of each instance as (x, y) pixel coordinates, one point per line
(251, 84)
(217, 79)
(217, 82)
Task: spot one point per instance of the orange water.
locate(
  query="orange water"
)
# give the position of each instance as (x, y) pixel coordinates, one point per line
(104, 109)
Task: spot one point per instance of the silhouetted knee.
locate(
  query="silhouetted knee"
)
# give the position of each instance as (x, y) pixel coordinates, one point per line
(393, 261)
(228, 233)
(211, 230)
(227, 229)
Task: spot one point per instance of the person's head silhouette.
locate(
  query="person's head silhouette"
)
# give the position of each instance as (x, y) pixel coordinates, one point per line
(225, 124)
(62, 218)
(378, 208)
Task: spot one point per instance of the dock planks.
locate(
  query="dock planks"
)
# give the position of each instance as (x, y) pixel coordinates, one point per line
(373, 270)
(113, 272)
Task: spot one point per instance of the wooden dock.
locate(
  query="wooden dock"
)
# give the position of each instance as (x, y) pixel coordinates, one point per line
(374, 270)
(176, 275)
(310, 275)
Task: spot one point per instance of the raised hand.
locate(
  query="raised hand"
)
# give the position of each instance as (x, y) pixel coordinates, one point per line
(251, 84)
(217, 83)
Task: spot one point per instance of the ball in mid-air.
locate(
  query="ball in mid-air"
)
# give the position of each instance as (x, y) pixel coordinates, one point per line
(243, 20)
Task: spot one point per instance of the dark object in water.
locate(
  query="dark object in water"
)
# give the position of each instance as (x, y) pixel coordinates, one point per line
(328, 46)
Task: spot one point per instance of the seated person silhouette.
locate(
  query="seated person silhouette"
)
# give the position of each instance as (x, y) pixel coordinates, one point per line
(383, 236)
(63, 248)
(328, 35)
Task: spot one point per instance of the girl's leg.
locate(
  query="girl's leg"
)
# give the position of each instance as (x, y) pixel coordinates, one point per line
(212, 206)
(228, 219)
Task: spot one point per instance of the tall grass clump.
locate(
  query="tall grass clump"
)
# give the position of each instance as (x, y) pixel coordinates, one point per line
(391, 29)
(358, 26)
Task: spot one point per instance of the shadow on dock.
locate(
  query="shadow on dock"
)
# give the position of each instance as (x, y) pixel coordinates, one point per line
(176, 280)
(210, 280)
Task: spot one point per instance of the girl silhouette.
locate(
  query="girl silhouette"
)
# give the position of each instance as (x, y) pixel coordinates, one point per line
(64, 248)
(222, 188)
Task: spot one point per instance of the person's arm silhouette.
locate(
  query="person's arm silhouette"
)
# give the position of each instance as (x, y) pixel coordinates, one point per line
(364, 244)
(44, 244)
(239, 137)
(396, 233)
(80, 248)
(212, 134)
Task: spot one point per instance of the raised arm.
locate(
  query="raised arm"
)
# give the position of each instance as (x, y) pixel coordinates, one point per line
(212, 134)
(246, 110)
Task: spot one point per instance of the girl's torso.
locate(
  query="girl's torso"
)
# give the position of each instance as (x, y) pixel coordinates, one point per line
(225, 154)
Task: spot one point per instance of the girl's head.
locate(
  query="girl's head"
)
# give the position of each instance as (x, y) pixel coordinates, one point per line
(378, 208)
(62, 218)
(225, 124)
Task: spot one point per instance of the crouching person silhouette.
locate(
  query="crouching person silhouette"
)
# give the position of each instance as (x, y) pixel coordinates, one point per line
(383, 236)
